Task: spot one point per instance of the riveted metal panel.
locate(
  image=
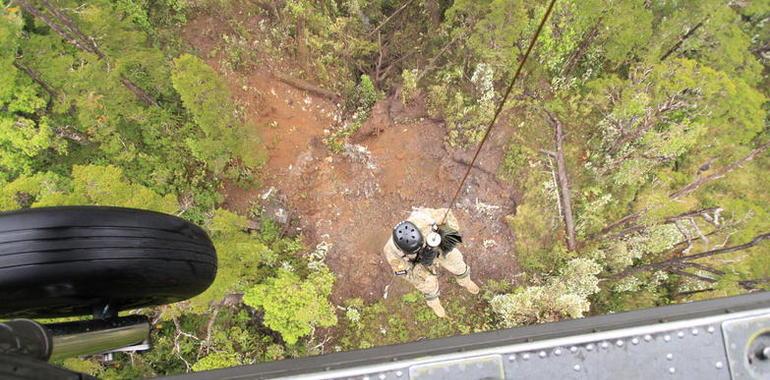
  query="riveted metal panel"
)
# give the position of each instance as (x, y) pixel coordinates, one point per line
(745, 339)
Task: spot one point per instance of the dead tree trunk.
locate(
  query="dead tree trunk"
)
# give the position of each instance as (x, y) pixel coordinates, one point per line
(301, 41)
(70, 134)
(565, 199)
(140, 94)
(682, 39)
(582, 48)
(694, 185)
(29, 8)
(35, 76)
(309, 87)
(68, 30)
(69, 24)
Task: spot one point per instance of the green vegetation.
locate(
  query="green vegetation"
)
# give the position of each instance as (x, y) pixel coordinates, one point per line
(224, 136)
(404, 319)
(661, 110)
(294, 307)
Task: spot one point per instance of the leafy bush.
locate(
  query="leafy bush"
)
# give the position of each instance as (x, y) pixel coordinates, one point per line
(224, 136)
(216, 360)
(293, 306)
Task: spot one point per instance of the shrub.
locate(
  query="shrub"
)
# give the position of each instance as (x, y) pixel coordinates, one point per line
(294, 307)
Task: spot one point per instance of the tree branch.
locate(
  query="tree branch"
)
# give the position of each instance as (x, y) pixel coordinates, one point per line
(389, 17)
(687, 260)
(752, 284)
(686, 190)
(682, 39)
(69, 24)
(693, 275)
(698, 182)
(35, 76)
(706, 268)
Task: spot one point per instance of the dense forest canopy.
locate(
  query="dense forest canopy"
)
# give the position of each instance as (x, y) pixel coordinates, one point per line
(638, 150)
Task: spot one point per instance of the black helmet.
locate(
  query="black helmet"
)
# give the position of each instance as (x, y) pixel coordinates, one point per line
(407, 237)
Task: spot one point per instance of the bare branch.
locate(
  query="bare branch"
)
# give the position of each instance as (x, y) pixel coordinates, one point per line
(68, 133)
(206, 344)
(582, 48)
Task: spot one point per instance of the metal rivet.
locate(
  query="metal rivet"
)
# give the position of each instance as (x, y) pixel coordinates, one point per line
(542, 354)
(619, 343)
(719, 365)
(576, 367)
(710, 329)
(382, 376)
(590, 346)
(635, 341)
(557, 352)
(647, 338)
(511, 358)
(605, 344)
(399, 373)
(670, 356)
(573, 349)
(672, 370)
(680, 334)
(694, 331)
(667, 337)
(525, 356)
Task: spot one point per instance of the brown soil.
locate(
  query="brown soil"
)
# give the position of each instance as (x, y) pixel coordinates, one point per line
(352, 201)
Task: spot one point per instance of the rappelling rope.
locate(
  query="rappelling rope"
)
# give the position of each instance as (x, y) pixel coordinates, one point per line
(499, 108)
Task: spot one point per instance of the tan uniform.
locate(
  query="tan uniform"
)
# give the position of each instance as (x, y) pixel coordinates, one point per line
(424, 278)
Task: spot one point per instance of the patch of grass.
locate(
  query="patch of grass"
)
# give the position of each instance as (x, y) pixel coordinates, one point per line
(516, 161)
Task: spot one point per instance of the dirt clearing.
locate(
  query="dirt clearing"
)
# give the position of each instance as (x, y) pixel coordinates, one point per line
(351, 200)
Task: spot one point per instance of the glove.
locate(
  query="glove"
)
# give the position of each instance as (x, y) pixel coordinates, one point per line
(427, 255)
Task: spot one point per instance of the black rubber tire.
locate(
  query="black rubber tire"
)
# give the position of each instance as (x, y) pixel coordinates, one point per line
(65, 261)
(14, 367)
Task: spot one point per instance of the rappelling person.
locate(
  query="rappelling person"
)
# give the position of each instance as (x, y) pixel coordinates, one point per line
(420, 244)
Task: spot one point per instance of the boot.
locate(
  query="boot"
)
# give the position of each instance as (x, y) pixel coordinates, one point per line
(435, 305)
(468, 284)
